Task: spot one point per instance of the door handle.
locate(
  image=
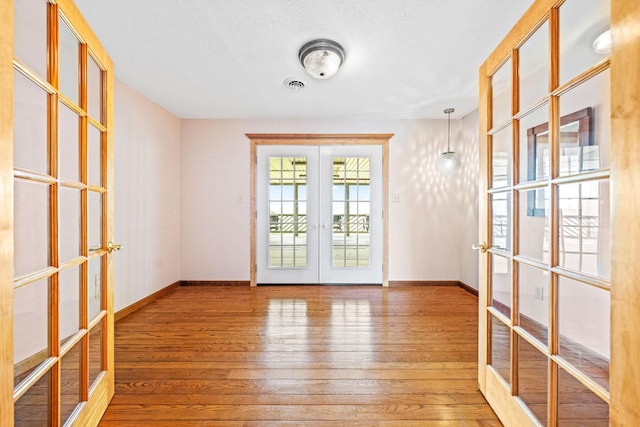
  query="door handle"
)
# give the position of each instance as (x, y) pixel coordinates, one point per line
(482, 247)
(113, 247)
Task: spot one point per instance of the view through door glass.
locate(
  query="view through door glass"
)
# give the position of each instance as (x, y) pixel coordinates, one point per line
(287, 212)
(351, 214)
(60, 140)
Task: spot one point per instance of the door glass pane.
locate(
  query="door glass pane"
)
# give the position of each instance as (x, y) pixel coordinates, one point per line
(500, 348)
(70, 382)
(584, 137)
(532, 375)
(287, 212)
(584, 324)
(30, 125)
(95, 219)
(95, 287)
(30, 34)
(94, 89)
(351, 212)
(533, 292)
(501, 284)
(32, 409)
(533, 224)
(31, 227)
(68, 62)
(501, 220)
(68, 143)
(69, 305)
(69, 223)
(30, 328)
(534, 67)
(501, 88)
(581, 22)
(501, 157)
(585, 237)
(534, 145)
(94, 156)
(95, 351)
(579, 406)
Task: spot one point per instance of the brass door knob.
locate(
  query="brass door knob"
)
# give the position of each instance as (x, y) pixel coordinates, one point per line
(482, 247)
(113, 247)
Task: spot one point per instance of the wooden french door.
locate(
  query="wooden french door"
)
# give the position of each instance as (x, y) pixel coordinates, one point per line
(351, 175)
(553, 197)
(58, 151)
(319, 214)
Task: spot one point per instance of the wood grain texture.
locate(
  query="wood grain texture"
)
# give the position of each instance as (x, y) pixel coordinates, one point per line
(6, 213)
(625, 185)
(300, 355)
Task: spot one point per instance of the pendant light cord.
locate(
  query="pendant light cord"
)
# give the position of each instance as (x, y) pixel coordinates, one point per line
(448, 132)
(448, 111)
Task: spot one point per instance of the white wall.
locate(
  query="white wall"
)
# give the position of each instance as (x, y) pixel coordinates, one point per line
(147, 197)
(427, 227)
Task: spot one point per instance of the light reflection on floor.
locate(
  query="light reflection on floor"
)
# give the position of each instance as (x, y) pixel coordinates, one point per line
(348, 327)
(286, 323)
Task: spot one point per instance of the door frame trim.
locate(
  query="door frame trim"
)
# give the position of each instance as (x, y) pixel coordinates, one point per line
(256, 139)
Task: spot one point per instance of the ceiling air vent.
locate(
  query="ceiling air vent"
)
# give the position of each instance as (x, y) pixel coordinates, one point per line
(293, 84)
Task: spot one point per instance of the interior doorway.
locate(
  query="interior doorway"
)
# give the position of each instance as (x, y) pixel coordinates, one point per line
(318, 205)
(319, 214)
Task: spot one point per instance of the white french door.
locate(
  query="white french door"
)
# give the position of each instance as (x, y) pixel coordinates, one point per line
(319, 214)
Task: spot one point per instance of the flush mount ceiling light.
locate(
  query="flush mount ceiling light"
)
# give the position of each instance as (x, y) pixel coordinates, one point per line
(449, 162)
(321, 58)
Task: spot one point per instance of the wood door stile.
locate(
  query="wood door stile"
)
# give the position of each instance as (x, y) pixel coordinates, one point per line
(6, 213)
(625, 299)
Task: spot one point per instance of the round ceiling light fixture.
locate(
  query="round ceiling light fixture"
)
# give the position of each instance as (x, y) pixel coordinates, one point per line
(321, 58)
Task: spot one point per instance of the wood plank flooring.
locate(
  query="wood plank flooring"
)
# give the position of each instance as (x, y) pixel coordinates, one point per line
(300, 356)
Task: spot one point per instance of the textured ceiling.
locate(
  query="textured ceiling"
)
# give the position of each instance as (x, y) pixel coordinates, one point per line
(228, 58)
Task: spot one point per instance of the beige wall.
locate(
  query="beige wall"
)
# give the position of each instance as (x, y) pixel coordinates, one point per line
(147, 196)
(430, 227)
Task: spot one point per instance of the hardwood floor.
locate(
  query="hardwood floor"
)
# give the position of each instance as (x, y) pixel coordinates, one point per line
(300, 356)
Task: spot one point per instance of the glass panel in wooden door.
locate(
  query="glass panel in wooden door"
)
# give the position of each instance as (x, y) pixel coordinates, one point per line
(63, 323)
(545, 343)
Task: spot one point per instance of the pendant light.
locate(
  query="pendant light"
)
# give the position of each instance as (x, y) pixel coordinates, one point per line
(449, 162)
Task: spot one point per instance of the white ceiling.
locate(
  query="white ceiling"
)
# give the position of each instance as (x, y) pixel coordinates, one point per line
(406, 59)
